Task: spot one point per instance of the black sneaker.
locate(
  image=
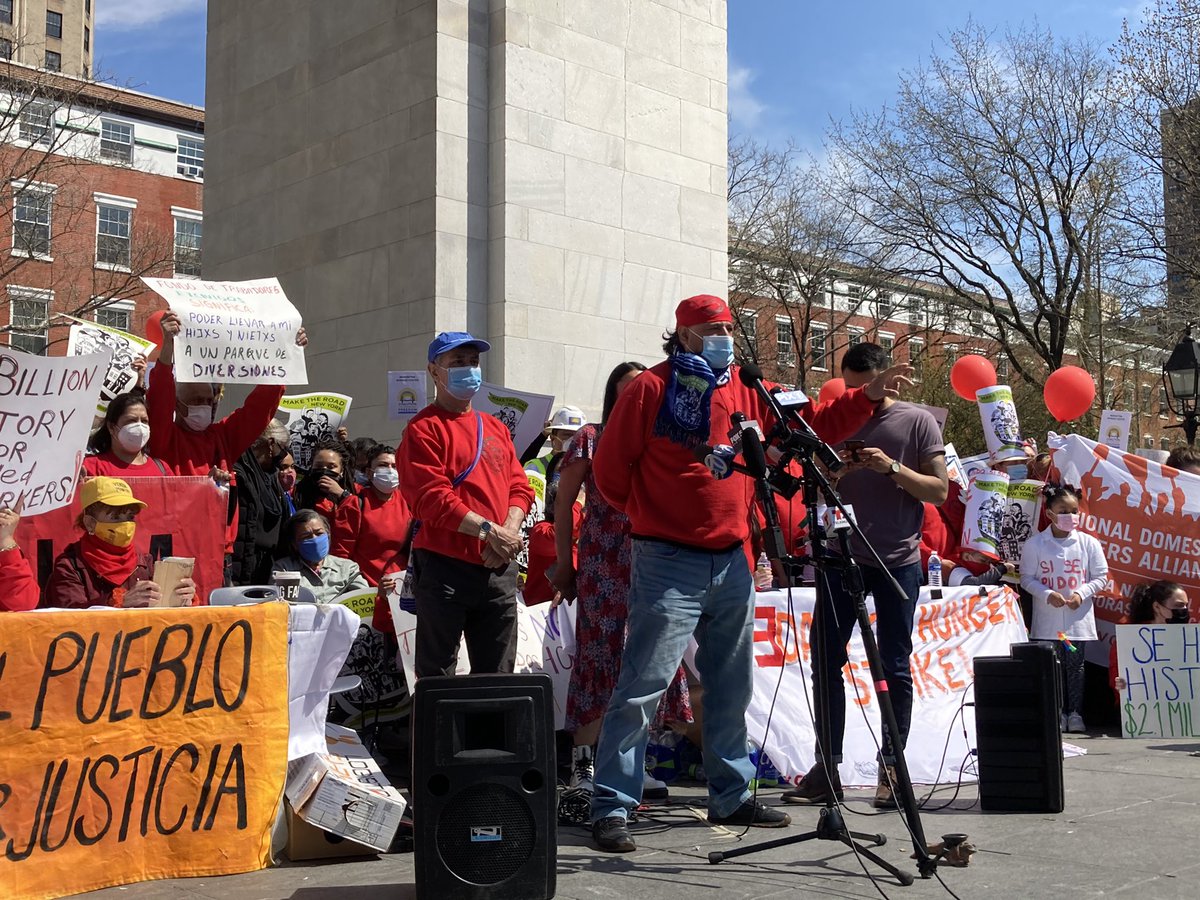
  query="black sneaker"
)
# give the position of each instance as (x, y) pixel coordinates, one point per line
(611, 835)
(754, 813)
(814, 788)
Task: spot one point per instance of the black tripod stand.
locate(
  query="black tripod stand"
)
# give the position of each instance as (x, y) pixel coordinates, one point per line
(831, 825)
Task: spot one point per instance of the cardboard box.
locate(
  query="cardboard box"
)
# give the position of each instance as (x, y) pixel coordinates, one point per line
(306, 841)
(343, 792)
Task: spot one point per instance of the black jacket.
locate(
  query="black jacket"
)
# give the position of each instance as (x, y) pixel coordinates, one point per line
(262, 513)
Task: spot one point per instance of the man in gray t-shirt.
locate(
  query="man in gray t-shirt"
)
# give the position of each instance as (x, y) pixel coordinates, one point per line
(895, 464)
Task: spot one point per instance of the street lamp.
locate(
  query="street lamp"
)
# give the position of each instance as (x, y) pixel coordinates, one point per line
(1181, 377)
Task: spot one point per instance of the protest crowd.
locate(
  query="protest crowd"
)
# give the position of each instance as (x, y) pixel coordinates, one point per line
(643, 521)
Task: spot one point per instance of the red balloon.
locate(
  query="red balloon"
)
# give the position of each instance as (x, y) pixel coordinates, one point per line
(972, 373)
(1069, 393)
(831, 390)
(154, 330)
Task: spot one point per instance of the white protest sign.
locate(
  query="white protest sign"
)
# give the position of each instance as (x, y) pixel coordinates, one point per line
(546, 643)
(1115, 425)
(90, 337)
(1161, 668)
(523, 414)
(237, 332)
(46, 410)
(311, 418)
(406, 394)
(954, 468)
(405, 624)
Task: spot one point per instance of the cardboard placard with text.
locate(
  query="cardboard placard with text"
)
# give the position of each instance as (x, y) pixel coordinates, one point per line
(1160, 665)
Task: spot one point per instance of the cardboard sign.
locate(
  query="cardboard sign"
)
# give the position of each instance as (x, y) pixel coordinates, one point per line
(46, 410)
(139, 744)
(311, 418)
(88, 337)
(1114, 428)
(237, 332)
(523, 414)
(361, 603)
(1160, 665)
(406, 394)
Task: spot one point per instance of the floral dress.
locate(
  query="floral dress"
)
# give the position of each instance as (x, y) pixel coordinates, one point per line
(602, 581)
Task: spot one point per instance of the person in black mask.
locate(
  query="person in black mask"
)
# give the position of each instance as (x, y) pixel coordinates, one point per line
(328, 489)
(1156, 603)
(262, 509)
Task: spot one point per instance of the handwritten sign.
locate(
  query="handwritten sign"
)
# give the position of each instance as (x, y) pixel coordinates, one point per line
(46, 408)
(139, 744)
(238, 332)
(1161, 668)
(406, 394)
(89, 337)
(311, 418)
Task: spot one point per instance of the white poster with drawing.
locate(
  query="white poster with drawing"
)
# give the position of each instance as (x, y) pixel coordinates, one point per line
(86, 338)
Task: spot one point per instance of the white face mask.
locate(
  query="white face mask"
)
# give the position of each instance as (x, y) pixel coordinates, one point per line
(199, 417)
(133, 437)
(385, 480)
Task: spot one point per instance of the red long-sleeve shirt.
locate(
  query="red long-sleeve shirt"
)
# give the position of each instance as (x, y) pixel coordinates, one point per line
(18, 586)
(345, 521)
(438, 446)
(663, 487)
(381, 532)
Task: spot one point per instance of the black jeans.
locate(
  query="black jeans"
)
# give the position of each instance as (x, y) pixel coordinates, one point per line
(456, 598)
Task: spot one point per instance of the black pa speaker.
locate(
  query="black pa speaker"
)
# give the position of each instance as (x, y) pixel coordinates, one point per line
(484, 789)
(1018, 704)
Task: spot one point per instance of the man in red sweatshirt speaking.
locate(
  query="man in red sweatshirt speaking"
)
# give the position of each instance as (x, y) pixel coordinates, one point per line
(689, 572)
(465, 486)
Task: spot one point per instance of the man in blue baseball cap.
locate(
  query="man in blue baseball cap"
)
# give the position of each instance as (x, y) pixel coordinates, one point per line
(460, 475)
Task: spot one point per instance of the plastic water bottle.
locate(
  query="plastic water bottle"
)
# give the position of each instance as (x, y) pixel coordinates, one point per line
(935, 577)
(763, 576)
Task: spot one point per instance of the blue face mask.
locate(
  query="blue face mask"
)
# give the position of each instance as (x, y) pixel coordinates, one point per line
(463, 381)
(314, 549)
(1018, 473)
(718, 351)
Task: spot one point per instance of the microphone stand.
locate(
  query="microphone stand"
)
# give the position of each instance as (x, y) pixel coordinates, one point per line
(831, 825)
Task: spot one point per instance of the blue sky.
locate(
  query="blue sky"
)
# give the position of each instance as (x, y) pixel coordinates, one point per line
(792, 64)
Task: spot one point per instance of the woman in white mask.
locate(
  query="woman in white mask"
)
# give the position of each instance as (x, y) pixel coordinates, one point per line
(118, 446)
(381, 549)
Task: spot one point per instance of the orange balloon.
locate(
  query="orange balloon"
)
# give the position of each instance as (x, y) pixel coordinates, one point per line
(972, 373)
(1069, 393)
(154, 330)
(831, 390)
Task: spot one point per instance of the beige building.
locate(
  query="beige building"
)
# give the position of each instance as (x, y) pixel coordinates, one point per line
(49, 34)
(549, 174)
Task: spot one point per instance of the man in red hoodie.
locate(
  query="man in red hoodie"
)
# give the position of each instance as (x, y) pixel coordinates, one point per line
(465, 486)
(689, 573)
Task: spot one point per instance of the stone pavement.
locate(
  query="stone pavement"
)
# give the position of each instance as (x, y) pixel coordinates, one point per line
(1128, 831)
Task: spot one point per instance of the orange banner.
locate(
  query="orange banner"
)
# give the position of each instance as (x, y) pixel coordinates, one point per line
(139, 744)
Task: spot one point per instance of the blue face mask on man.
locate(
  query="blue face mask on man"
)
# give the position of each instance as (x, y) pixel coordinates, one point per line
(717, 351)
(463, 382)
(313, 549)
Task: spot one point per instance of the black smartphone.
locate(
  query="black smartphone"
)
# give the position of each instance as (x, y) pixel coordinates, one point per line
(852, 447)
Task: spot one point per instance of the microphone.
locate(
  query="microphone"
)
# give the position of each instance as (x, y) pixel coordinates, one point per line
(751, 376)
(753, 454)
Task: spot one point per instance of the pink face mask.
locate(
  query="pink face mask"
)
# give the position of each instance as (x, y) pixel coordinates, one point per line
(1066, 521)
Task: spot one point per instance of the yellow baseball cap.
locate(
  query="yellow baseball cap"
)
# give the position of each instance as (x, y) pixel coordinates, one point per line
(109, 491)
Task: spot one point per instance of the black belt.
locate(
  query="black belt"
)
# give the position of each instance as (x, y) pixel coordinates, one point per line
(682, 546)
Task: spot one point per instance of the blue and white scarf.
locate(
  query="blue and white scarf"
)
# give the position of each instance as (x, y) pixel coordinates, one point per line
(685, 415)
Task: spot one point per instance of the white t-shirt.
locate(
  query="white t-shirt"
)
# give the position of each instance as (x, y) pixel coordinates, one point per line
(1074, 564)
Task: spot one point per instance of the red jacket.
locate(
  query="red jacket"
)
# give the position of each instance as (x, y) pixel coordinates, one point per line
(543, 553)
(345, 520)
(18, 586)
(73, 585)
(438, 446)
(112, 465)
(663, 487)
(378, 547)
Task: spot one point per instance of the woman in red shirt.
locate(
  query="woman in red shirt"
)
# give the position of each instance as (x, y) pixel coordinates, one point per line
(381, 549)
(119, 443)
(326, 489)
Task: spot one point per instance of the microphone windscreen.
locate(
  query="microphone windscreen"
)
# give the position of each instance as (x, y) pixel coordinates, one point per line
(753, 454)
(749, 373)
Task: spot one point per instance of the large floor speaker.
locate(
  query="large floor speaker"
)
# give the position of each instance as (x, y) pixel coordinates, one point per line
(1018, 701)
(484, 787)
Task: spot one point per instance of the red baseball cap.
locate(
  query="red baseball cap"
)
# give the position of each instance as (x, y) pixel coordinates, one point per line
(701, 309)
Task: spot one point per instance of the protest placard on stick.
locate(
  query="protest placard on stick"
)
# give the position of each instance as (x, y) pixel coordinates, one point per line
(311, 418)
(46, 408)
(237, 332)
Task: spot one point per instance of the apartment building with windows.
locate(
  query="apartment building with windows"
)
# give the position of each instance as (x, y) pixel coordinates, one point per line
(56, 35)
(102, 186)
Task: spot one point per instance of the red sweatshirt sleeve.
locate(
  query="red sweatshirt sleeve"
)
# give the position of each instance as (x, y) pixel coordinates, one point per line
(18, 587)
(625, 437)
(241, 427)
(160, 407)
(347, 520)
(842, 418)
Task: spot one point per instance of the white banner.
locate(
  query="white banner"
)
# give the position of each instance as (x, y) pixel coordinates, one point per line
(237, 332)
(46, 410)
(89, 337)
(406, 394)
(319, 637)
(947, 636)
(310, 418)
(523, 414)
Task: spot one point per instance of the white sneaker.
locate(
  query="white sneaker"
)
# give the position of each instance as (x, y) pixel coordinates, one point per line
(581, 770)
(653, 789)
(1075, 724)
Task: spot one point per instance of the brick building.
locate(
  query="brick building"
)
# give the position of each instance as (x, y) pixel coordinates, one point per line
(102, 186)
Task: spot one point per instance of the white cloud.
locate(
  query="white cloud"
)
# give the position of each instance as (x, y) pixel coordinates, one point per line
(745, 109)
(131, 15)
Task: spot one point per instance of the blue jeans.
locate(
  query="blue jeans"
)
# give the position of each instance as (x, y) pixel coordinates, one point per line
(673, 593)
(893, 633)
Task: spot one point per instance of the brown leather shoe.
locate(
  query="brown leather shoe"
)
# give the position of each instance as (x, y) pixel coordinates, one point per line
(814, 788)
(885, 797)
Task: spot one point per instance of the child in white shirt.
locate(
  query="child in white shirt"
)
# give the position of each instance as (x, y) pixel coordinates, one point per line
(1063, 568)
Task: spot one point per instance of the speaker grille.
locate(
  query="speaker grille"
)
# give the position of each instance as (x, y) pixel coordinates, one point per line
(485, 834)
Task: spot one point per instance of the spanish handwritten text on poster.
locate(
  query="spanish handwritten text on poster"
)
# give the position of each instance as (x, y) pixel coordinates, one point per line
(46, 410)
(140, 744)
(311, 418)
(1161, 668)
(406, 394)
(523, 414)
(238, 332)
(91, 337)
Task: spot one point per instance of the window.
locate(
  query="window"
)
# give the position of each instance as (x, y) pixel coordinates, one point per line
(1165, 443)
(818, 347)
(745, 336)
(5, 48)
(114, 218)
(190, 158)
(785, 341)
(1002, 366)
(951, 354)
(116, 141)
(1146, 395)
(6, 11)
(115, 317)
(1127, 395)
(33, 206)
(53, 61)
(188, 233)
(1109, 392)
(53, 24)
(87, 7)
(916, 351)
(883, 305)
(36, 123)
(854, 337)
(29, 310)
(87, 38)
(888, 343)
